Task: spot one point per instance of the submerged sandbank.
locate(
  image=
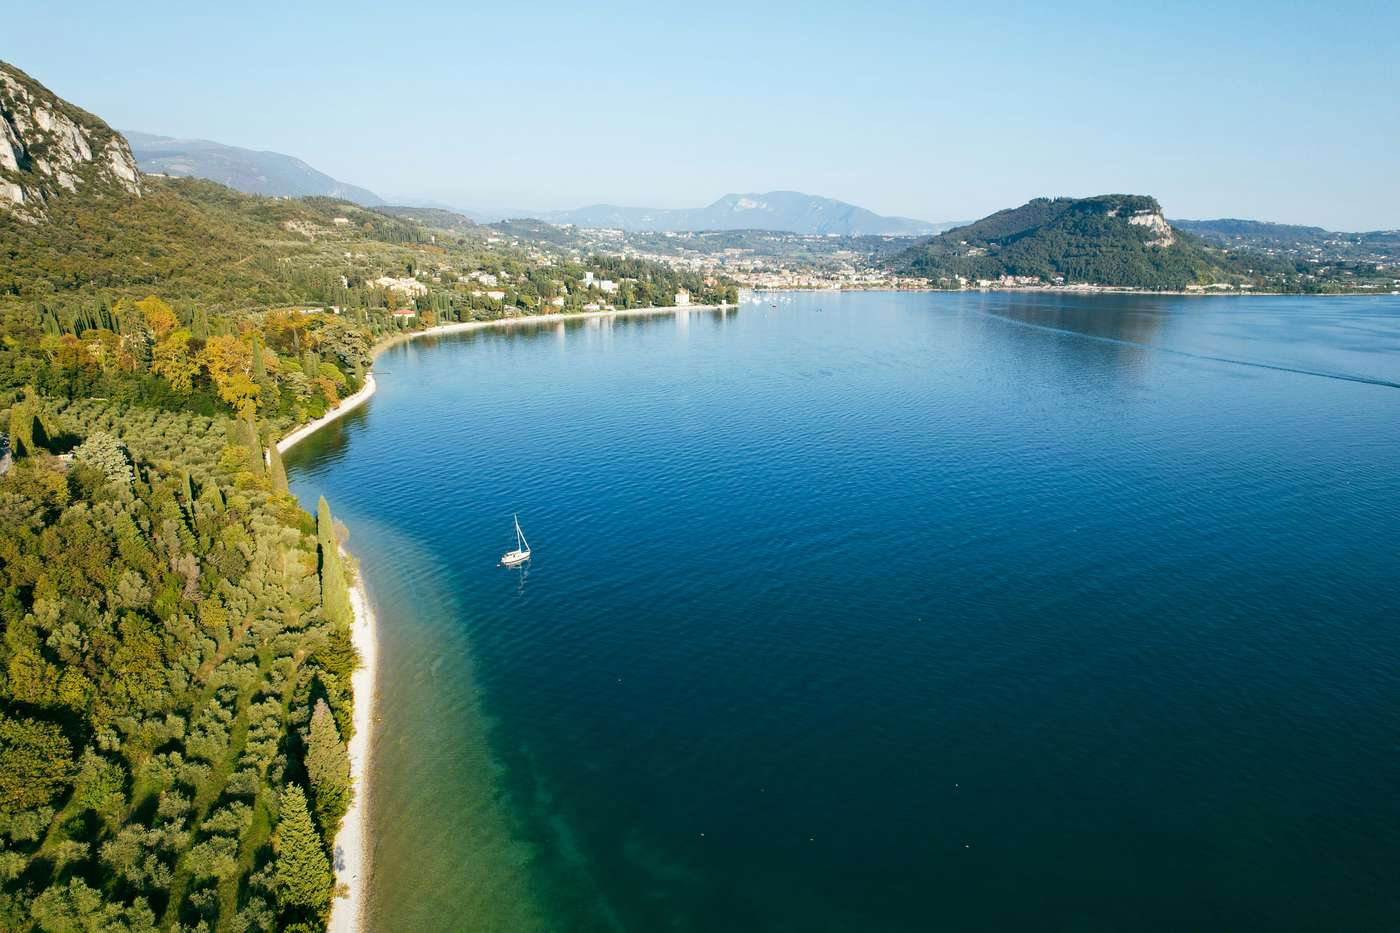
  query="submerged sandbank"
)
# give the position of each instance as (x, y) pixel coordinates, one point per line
(351, 846)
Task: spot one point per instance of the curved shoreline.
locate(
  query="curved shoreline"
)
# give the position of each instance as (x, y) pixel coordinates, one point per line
(346, 406)
(557, 318)
(351, 847)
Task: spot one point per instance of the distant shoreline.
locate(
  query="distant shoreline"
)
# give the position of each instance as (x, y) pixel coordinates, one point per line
(351, 847)
(1081, 290)
(558, 317)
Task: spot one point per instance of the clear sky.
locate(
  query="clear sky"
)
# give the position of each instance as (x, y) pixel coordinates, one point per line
(1273, 111)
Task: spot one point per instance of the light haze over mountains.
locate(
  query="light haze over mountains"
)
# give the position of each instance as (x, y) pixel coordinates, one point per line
(273, 173)
(248, 170)
(790, 211)
(279, 175)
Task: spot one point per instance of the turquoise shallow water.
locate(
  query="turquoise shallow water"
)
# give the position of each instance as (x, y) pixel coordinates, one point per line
(887, 612)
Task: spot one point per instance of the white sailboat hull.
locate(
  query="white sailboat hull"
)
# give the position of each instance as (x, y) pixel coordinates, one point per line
(522, 549)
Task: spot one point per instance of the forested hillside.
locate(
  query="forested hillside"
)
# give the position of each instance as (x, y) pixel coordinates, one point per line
(174, 629)
(1115, 240)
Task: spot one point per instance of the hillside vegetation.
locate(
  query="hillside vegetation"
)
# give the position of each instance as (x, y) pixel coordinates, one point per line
(1358, 255)
(1114, 240)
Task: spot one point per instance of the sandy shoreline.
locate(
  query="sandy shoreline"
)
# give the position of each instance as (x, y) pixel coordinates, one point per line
(346, 406)
(351, 848)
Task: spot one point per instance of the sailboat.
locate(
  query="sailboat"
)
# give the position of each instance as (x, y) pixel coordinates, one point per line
(522, 548)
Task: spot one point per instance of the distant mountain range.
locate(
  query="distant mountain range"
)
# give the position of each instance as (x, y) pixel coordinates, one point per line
(275, 174)
(789, 211)
(1113, 239)
(246, 170)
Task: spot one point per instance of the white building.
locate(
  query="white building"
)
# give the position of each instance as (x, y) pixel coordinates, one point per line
(406, 285)
(682, 297)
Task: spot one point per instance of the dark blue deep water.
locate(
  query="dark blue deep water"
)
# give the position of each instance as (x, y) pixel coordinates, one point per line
(887, 612)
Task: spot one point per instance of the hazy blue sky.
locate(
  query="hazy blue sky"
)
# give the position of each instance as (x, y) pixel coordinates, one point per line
(1277, 111)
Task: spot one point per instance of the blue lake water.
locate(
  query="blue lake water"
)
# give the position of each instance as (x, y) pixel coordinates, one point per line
(887, 612)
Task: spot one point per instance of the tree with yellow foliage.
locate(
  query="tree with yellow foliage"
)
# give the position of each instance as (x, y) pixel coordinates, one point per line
(160, 317)
(229, 362)
(171, 358)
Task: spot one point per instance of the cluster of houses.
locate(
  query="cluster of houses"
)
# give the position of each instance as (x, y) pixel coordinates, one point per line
(493, 286)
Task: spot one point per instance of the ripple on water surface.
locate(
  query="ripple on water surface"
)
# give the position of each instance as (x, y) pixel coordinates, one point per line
(886, 612)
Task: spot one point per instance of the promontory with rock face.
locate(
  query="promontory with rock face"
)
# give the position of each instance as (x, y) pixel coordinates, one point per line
(48, 146)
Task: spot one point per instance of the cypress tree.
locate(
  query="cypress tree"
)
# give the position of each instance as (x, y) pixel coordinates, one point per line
(249, 439)
(328, 766)
(259, 368)
(303, 874)
(277, 470)
(335, 593)
(267, 388)
(22, 429)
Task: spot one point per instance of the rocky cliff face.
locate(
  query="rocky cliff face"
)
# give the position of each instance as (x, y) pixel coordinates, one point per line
(48, 147)
(1163, 235)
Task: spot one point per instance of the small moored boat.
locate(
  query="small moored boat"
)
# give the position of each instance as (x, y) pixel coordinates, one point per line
(522, 548)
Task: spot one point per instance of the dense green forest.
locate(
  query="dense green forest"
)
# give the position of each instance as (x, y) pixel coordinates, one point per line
(176, 659)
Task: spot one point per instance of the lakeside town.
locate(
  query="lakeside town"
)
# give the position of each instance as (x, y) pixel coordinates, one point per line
(760, 260)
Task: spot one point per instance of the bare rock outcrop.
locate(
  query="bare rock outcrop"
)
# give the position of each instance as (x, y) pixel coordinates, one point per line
(1164, 235)
(49, 148)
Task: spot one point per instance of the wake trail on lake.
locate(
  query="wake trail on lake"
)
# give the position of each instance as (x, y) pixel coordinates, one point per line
(1230, 360)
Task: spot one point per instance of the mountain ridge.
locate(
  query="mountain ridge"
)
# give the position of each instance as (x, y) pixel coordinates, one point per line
(252, 171)
(786, 211)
